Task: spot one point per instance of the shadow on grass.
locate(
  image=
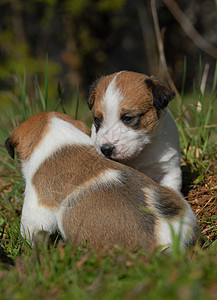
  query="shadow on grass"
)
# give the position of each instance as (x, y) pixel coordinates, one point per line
(188, 177)
(5, 260)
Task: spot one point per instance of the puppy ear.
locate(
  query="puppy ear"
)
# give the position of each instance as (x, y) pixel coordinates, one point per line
(9, 145)
(92, 95)
(162, 95)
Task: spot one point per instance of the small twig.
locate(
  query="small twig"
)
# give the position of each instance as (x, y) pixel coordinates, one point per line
(161, 50)
(148, 33)
(189, 29)
(204, 206)
(213, 209)
(200, 163)
(184, 112)
(204, 79)
(209, 228)
(196, 128)
(203, 191)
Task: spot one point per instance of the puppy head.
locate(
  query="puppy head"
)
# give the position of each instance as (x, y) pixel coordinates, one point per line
(126, 110)
(28, 135)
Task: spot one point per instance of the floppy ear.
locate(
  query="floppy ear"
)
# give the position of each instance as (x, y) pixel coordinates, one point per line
(9, 145)
(162, 95)
(92, 95)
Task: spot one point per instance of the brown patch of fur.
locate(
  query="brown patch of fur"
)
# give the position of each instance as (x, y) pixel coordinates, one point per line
(28, 135)
(138, 99)
(108, 218)
(111, 215)
(98, 94)
(65, 171)
(103, 214)
(166, 202)
(162, 95)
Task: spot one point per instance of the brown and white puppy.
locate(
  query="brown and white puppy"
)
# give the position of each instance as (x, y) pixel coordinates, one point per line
(131, 124)
(70, 188)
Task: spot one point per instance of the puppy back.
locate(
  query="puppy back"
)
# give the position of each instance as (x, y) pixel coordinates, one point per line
(27, 136)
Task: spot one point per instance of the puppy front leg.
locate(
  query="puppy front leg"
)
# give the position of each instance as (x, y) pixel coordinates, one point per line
(36, 221)
(31, 233)
(172, 177)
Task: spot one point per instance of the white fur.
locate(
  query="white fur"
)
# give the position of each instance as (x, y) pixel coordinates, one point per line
(36, 218)
(60, 133)
(156, 155)
(182, 229)
(160, 159)
(126, 141)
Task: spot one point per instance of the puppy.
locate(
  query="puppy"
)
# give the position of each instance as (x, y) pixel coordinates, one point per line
(131, 124)
(70, 188)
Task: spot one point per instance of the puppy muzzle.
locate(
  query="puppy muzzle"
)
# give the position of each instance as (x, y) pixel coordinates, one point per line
(107, 150)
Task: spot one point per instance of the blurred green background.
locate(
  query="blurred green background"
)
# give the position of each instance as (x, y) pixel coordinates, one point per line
(85, 39)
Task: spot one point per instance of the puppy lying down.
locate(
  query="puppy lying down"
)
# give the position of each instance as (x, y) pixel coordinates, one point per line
(70, 188)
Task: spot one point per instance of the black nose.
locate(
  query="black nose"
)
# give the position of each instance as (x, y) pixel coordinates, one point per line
(107, 149)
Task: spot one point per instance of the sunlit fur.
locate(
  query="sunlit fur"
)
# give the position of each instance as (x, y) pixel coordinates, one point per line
(153, 147)
(73, 190)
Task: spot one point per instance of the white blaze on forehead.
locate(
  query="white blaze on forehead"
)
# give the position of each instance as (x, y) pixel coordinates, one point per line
(113, 131)
(110, 102)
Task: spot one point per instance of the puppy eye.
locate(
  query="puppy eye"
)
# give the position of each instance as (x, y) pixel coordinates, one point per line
(127, 119)
(96, 122)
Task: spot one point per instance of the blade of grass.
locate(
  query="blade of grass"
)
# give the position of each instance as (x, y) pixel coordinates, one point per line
(182, 134)
(77, 103)
(16, 228)
(200, 70)
(46, 83)
(12, 179)
(206, 122)
(11, 117)
(60, 98)
(13, 191)
(181, 125)
(199, 120)
(209, 113)
(214, 80)
(4, 153)
(9, 166)
(22, 93)
(183, 79)
(40, 95)
(3, 135)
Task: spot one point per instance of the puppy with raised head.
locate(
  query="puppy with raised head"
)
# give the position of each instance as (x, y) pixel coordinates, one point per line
(132, 125)
(70, 188)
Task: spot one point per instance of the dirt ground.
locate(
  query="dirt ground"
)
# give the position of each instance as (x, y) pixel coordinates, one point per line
(203, 199)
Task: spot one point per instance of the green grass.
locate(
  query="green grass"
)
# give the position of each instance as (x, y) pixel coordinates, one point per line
(62, 271)
(197, 125)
